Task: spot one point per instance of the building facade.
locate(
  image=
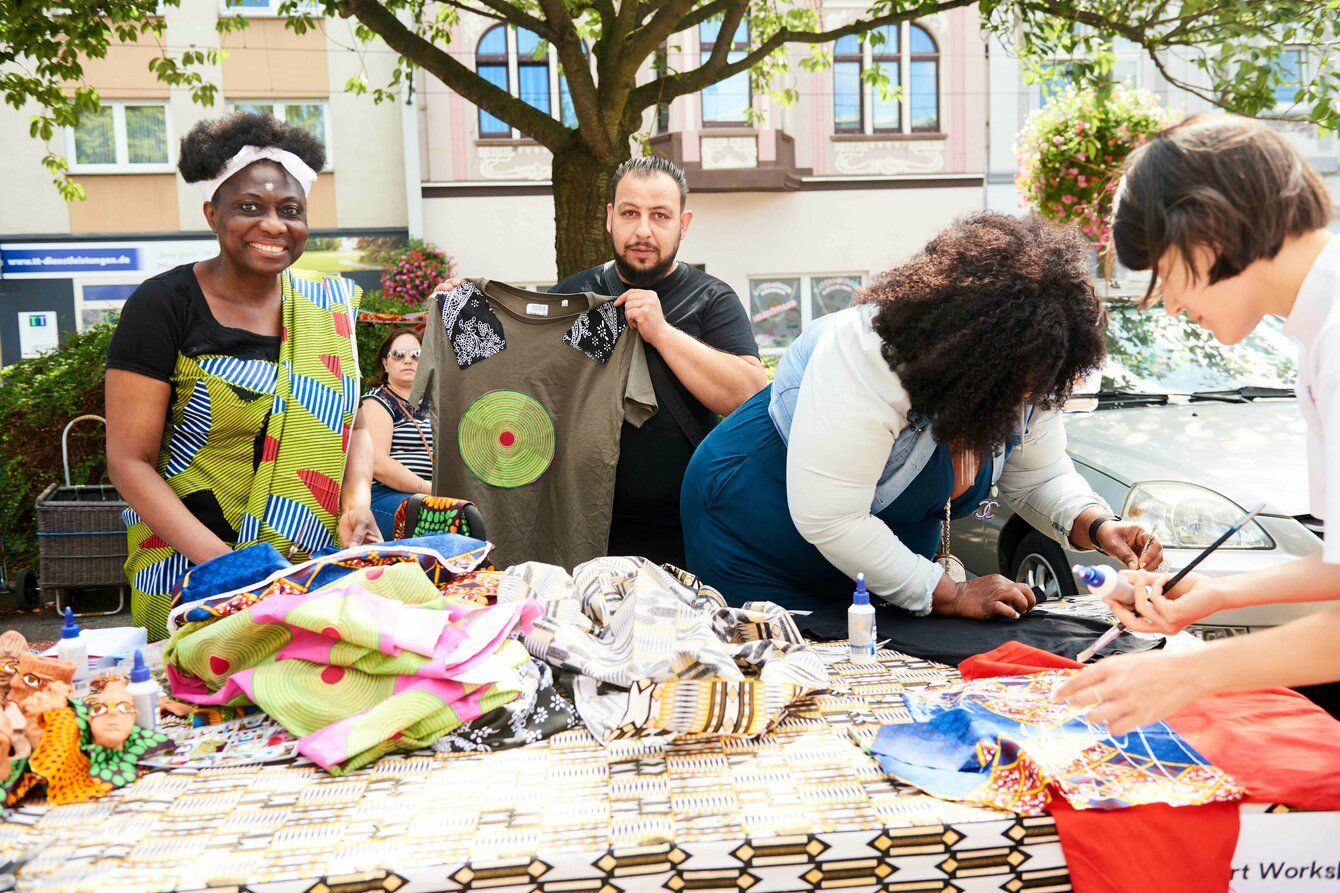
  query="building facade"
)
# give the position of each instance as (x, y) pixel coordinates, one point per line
(1012, 100)
(794, 211)
(63, 266)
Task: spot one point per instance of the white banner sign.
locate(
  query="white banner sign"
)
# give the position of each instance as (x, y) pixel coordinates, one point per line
(1292, 853)
(65, 260)
(37, 333)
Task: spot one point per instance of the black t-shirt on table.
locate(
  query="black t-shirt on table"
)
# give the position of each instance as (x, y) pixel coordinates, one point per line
(652, 459)
(167, 316)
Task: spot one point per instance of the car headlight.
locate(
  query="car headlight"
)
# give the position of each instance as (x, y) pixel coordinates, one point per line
(1185, 516)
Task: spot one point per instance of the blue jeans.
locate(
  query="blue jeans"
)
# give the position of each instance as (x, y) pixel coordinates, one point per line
(738, 533)
(385, 501)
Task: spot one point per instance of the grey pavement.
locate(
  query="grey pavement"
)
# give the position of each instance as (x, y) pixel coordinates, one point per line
(43, 625)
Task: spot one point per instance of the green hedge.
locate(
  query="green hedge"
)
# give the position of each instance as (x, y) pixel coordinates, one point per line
(38, 398)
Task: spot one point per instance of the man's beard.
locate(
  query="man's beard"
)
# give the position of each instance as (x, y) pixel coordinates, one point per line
(644, 278)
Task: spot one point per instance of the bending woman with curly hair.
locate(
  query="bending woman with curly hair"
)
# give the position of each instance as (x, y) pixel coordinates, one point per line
(232, 383)
(941, 385)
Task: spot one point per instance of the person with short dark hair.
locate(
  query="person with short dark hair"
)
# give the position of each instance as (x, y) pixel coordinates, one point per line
(232, 383)
(1230, 220)
(942, 384)
(700, 347)
(401, 431)
(701, 351)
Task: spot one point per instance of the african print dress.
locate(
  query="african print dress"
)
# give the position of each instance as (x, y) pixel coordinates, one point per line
(284, 490)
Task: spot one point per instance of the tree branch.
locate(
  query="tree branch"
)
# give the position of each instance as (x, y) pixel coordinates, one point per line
(502, 105)
(645, 40)
(513, 13)
(675, 85)
(483, 14)
(581, 86)
(702, 14)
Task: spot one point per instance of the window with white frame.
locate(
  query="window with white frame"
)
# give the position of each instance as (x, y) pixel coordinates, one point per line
(780, 307)
(121, 137)
(309, 114)
(727, 102)
(519, 62)
(904, 54)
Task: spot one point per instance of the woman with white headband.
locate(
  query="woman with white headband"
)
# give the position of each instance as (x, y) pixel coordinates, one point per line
(232, 383)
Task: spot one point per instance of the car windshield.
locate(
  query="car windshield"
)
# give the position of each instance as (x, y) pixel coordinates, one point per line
(1150, 352)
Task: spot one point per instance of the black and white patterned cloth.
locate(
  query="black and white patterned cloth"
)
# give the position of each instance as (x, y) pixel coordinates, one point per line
(596, 331)
(539, 712)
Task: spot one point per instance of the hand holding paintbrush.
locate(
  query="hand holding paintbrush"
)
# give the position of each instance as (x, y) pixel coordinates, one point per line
(1106, 638)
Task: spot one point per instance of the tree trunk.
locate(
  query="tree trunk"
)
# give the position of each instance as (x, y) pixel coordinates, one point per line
(581, 193)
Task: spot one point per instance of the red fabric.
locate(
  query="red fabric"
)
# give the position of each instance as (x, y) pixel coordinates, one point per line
(1140, 849)
(1275, 742)
(1014, 659)
(1278, 745)
(1148, 849)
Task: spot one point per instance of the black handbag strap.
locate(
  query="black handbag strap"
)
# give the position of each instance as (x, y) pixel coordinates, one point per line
(662, 380)
(412, 506)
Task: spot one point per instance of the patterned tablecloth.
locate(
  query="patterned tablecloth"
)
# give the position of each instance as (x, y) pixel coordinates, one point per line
(802, 808)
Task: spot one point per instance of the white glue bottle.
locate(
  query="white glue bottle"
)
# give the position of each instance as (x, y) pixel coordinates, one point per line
(861, 626)
(143, 691)
(1104, 582)
(73, 648)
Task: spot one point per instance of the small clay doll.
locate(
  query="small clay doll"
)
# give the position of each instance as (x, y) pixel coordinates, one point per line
(117, 743)
(41, 684)
(12, 644)
(111, 712)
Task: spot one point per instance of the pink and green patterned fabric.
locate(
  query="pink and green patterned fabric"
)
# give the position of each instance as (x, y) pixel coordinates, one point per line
(377, 661)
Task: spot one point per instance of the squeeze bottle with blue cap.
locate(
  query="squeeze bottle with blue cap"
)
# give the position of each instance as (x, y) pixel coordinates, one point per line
(143, 691)
(72, 648)
(1104, 582)
(861, 626)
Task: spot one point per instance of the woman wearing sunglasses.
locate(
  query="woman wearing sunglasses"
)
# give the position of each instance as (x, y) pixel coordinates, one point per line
(402, 437)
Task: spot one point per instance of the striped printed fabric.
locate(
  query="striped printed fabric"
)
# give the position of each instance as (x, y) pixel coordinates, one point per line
(657, 652)
(305, 405)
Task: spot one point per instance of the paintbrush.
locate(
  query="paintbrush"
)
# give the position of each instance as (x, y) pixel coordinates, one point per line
(1106, 638)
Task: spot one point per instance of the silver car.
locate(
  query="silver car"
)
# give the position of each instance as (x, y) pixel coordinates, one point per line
(1183, 435)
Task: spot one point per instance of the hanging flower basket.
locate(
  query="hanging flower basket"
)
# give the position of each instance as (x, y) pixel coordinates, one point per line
(1071, 152)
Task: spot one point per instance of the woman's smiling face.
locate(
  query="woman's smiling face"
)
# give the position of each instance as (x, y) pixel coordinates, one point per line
(1227, 307)
(260, 217)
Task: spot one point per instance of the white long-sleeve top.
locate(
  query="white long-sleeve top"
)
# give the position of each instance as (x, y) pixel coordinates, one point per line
(848, 413)
(1315, 322)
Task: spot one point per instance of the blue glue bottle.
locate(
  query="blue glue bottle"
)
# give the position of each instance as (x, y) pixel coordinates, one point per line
(73, 648)
(1104, 582)
(143, 691)
(861, 626)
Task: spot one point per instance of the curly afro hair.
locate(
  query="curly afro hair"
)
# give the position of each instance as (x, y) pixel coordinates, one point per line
(210, 143)
(996, 311)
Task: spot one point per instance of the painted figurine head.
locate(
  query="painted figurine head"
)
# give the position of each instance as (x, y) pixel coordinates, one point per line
(111, 711)
(38, 675)
(12, 644)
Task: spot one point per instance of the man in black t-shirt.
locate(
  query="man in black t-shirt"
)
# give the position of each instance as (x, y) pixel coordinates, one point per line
(700, 348)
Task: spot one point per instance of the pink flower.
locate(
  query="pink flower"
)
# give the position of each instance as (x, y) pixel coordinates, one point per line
(1068, 199)
(1079, 127)
(1058, 141)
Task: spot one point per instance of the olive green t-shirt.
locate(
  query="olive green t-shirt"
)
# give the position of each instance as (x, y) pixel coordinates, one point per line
(529, 392)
